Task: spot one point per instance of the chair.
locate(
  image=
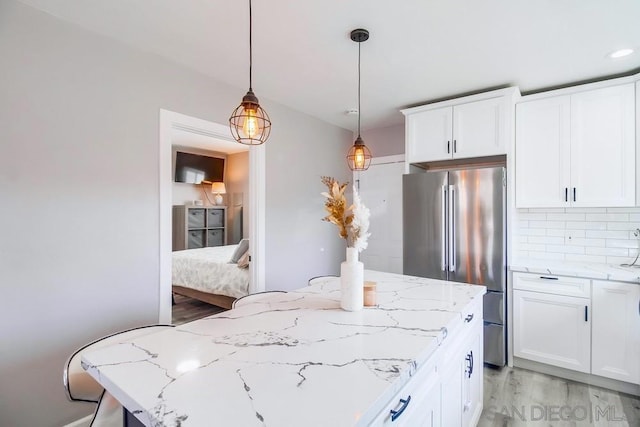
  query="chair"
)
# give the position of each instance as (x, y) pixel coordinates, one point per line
(319, 279)
(81, 387)
(253, 298)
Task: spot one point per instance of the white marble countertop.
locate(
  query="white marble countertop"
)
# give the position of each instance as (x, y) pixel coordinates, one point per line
(289, 359)
(578, 269)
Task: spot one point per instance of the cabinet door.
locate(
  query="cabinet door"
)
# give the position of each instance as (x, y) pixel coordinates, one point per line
(451, 393)
(479, 128)
(552, 329)
(616, 331)
(603, 147)
(429, 135)
(543, 152)
(472, 381)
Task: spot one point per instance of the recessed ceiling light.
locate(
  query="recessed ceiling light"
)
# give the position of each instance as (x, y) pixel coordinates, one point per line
(620, 53)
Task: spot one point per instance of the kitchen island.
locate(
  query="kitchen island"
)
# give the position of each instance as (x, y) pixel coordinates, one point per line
(296, 358)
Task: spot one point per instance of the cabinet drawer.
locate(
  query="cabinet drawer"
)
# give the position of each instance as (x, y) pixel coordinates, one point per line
(195, 218)
(215, 237)
(551, 284)
(196, 239)
(417, 397)
(215, 218)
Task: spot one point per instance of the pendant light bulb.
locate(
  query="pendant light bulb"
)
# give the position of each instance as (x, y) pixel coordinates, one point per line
(359, 156)
(249, 123)
(250, 126)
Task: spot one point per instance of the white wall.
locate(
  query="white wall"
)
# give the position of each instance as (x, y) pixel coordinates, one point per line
(79, 220)
(386, 141)
(602, 235)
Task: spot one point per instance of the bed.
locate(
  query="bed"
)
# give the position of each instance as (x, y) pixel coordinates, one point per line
(207, 275)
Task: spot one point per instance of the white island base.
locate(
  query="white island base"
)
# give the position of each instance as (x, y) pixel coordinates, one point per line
(293, 359)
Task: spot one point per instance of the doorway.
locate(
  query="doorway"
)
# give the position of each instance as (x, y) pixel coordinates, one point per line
(170, 122)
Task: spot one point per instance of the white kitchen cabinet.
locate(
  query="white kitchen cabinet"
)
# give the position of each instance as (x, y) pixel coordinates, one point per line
(447, 390)
(543, 152)
(475, 126)
(577, 150)
(552, 329)
(616, 331)
(462, 392)
(429, 135)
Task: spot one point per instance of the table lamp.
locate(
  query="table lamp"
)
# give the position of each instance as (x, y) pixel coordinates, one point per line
(218, 189)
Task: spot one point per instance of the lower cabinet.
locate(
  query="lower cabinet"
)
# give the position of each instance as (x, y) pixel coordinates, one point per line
(589, 326)
(447, 391)
(552, 329)
(616, 331)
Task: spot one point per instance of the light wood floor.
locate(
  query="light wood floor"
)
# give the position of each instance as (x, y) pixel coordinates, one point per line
(518, 397)
(187, 309)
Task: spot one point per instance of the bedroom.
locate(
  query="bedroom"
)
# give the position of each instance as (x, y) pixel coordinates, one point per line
(209, 220)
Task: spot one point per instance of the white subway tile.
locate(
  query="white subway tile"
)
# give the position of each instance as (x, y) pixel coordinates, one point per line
(566, 249)
(622, 226)
(517, 254)
(566, 233)
(586, 258)
(521, 239)
(608, 217)
(547, 240)
(624, 210)
(522, 210)
(579, 225)
(606, 234)
(533, 232)
(634, 217)
(522, 224)
(546, 224)
(607, 251)
(546, 210)
(585, 242)
(632, 236)
(533, 216)
(531, 247)
(566, 217)
(547, 255)
(617, 243)
(586, 210)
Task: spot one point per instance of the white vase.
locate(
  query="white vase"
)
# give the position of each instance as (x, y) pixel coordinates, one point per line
(351, 282)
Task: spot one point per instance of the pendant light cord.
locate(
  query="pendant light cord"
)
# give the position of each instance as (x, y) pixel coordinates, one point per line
(359, 111)
(250, 48)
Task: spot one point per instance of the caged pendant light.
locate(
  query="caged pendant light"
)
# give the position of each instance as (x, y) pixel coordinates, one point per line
(359, 156)
(249, 123)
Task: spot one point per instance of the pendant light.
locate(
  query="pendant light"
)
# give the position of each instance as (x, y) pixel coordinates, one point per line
(359, 156)
(249, 123)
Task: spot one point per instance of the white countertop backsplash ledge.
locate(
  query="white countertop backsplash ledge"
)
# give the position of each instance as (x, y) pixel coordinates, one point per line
(578, 269)
(293, 359)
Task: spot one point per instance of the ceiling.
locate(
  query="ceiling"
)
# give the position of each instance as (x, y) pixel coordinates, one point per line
(419, 50)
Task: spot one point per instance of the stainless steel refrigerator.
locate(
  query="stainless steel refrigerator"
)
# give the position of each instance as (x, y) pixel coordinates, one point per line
(454, 229)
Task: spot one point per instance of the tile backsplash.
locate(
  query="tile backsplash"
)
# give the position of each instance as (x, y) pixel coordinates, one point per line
(602, 235)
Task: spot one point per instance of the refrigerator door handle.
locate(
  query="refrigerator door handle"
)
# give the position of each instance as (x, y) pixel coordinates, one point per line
(444, 228)
(452, 235)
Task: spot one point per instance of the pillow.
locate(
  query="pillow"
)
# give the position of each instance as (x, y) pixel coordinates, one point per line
(243, 262)
(243, 247)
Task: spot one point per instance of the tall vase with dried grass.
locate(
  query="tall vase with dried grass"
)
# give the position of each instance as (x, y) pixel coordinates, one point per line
(353, 225)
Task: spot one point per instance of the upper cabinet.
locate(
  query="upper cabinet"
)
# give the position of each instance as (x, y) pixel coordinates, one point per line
(474, 126)
(577, 149)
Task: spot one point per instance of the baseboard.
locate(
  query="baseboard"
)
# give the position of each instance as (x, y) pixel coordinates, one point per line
(581, 377)
(82, 422)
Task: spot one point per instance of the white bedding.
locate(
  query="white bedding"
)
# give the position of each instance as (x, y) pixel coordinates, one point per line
(208, 270)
